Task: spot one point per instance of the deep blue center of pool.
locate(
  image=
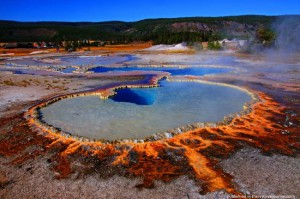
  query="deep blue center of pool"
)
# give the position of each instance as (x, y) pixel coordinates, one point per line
(139, 97)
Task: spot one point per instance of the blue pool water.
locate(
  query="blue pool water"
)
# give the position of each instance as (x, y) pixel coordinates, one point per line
(139, 96)
(197, 71)
(141, 112)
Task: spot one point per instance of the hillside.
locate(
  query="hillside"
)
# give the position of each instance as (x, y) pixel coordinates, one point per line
(173, 30)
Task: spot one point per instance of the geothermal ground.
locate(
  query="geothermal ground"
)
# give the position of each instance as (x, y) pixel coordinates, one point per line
(255, 153)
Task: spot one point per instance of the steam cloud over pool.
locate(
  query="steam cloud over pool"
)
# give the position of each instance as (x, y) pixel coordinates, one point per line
(138, 113)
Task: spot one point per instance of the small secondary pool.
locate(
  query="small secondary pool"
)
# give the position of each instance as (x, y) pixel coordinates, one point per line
(68, 70)
(141, 112)
(196, 71)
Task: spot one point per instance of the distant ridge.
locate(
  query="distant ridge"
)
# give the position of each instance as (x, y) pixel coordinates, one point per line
(161, 30)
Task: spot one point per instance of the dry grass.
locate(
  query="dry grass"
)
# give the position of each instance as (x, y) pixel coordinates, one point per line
(111, 48)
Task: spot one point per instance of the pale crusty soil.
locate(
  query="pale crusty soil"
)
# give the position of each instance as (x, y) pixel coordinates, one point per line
(261, 175)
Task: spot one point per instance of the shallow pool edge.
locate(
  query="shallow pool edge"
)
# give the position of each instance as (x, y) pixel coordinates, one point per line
(33, 115)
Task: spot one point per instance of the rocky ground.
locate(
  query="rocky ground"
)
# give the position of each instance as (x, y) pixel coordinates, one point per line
(258, 174)
(253, 172)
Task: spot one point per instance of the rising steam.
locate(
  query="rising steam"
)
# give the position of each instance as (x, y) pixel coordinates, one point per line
(287, 29)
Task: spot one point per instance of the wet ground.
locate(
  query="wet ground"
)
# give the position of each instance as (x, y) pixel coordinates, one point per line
(255, 154)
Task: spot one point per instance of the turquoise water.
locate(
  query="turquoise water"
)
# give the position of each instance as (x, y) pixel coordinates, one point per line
(172, 105)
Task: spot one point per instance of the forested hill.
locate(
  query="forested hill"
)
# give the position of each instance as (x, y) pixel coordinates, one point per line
(167, 30)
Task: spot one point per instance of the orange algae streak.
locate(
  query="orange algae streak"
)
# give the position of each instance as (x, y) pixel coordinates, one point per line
(211, 178)
(152, 163)
(149, 149)
(201, 165)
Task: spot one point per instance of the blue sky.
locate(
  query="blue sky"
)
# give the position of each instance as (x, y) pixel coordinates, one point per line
(107, 10)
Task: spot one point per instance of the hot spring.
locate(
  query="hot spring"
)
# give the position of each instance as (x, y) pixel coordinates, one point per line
(140, 112)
